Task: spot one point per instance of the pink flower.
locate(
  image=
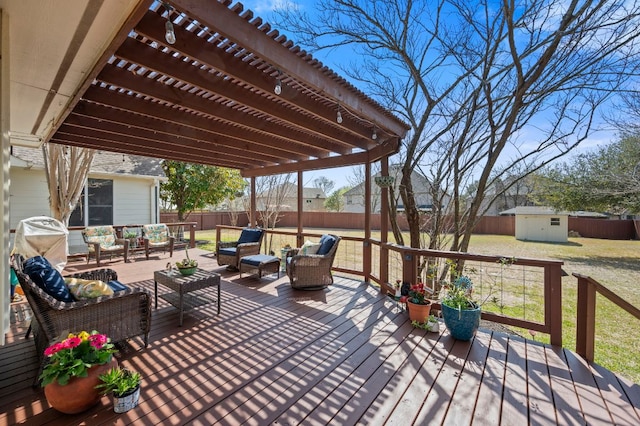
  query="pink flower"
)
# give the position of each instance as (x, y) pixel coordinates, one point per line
(71, 342)
(56, 347)
(98, 340)
(403, 299)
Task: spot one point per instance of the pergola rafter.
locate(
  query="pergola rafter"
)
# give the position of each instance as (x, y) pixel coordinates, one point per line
(209, 98)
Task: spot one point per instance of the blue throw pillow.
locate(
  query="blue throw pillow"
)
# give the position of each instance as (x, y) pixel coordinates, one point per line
(250, 236)
(117, 286)
(326, 242)
(47, 278)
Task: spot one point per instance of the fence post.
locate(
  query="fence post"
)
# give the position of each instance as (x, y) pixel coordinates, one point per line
(586, 321)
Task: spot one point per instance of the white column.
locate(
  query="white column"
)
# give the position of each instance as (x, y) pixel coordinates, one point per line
(6, 155)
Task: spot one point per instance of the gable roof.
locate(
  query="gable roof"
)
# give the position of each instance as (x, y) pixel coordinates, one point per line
(103, 162)
(291, 190)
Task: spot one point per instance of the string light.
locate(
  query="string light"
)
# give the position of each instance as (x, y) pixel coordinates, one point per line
(339, 116)
(278, 89)
(169, 33)
(374, 136)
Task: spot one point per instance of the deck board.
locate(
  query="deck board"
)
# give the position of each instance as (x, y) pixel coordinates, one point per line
(346, 355)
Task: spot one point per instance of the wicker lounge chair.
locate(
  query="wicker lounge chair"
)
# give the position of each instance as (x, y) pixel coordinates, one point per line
(125, 314)
(102, 240)
(313, 271)
(230, 253)
(157, 237)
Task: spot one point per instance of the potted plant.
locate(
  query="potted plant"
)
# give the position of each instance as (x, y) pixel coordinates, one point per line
(418, 304)
(73, 371)
(431, 324)
(124, 385)
(460, 312)
(187, 266)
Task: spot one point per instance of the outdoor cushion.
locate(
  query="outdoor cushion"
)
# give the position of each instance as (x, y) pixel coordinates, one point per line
(117, 286)
(249, 235)
(104, 235)
(309, 247)
(229, 251)
(327, 242)
(88, 289)
(47, 278)
(156, 233)
(257, 259)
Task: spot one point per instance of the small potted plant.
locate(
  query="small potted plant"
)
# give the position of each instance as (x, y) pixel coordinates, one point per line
(124, 385)
(418, 304)
(187, 266)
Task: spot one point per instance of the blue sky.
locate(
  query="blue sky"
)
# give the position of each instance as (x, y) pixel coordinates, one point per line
(336, 58)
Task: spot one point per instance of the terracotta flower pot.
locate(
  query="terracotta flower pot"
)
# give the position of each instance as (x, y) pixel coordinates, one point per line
(417, 312)
(80, 393)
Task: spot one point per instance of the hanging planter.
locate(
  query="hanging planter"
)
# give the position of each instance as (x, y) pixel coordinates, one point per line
(384, 181)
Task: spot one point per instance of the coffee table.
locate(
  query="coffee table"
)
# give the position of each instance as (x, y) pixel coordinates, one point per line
(182, 285)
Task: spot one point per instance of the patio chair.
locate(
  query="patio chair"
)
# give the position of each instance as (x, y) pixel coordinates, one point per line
(102, 240)
(313, 271)
(230, 253)
(121, 316)
(157, 237)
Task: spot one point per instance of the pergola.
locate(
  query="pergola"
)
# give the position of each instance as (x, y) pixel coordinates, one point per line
(230, 91)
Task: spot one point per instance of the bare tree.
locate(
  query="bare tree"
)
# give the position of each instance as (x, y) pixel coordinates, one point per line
(66, 169)
(324, 183)
(272, 192)
(485, 88)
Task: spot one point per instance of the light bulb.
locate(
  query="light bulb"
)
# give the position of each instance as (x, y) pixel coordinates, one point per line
(169, 34)
(278, 88)
(339, 117)
(374, 136)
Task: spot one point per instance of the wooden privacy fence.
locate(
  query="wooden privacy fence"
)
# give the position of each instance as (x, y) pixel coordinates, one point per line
(493, 225)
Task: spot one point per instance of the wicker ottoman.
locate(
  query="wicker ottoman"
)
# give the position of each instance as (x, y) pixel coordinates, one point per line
(262, 262)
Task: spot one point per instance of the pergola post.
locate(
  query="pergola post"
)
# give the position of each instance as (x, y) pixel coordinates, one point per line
(384, 224)
(366, 249)
(253, 207)
(300, 239)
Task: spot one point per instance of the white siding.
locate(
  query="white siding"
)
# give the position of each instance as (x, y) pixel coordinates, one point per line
(132, 202)
(539, 228)
(28, 195)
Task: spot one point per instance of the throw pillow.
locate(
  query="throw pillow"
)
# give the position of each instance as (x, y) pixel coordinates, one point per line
(309, 247)
(117, 286)
(47, 278)
(88, 289)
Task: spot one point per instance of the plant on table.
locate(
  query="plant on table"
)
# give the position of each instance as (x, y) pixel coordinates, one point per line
(187, 262)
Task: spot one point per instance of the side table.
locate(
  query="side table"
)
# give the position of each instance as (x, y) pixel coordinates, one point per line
(182, 285)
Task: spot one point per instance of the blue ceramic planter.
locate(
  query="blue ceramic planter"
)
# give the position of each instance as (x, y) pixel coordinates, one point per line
(462, 324)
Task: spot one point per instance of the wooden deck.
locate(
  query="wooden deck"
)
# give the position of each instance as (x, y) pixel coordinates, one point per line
(342, 356)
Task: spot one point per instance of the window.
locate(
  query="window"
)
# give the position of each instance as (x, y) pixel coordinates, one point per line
(555, 221)
(96, 208)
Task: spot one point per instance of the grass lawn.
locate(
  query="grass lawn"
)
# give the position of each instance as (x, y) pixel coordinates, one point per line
(615, 264)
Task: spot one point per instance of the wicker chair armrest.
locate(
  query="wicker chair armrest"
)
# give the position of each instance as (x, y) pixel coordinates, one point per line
(247, 249)
(117, 297)
(105, 275)
(227, 244)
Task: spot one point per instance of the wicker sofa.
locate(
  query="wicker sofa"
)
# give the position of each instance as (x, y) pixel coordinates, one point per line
(125, 314)
(313, 271)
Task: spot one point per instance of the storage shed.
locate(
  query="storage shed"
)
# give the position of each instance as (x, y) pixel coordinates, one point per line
(535, 223)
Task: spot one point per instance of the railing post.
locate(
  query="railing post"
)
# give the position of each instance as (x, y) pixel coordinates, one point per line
(553, 302)
(409, 267)
(586, 321)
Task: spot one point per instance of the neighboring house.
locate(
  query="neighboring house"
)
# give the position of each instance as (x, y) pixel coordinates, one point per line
(121, 189)
(535, 223)
(354, 198)
(312, 198)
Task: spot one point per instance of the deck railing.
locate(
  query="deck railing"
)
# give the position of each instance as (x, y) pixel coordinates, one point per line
(586, 313)
(537, 284)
